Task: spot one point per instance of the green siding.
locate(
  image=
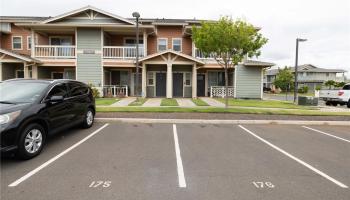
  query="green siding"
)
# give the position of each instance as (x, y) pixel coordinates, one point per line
(89, 66)
(248, 82)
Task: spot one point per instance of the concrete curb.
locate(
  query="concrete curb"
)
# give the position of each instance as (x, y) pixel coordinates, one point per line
(206, 121)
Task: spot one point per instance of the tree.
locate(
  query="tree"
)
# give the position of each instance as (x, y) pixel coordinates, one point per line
(284, 79)
(339, 84)
(228, 41)
(329, 83)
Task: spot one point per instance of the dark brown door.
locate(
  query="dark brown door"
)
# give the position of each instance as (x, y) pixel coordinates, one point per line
(200, 85)
(160, 84)
(178, 84)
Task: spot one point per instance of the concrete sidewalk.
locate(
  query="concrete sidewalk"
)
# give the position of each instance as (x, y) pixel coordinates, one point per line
(124, 102)
(212, 102)
(185, 102)
(153, 102)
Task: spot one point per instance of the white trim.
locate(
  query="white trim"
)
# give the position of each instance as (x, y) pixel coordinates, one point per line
(14, 55)
(172, 44)
(166, 43)
(102, 67)
(262, 83)
(235, 83)
(62, 36)
(16, 36)
(29, 38)
(148, 78)
(84, 9)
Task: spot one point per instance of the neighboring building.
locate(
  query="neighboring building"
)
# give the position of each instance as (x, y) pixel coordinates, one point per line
(308, 75)
(98, 47)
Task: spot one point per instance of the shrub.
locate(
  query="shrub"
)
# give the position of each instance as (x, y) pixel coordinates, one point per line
(304, 89)
(318, 87)
(95, 91)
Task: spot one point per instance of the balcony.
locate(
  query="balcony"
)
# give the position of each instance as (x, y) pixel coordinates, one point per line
(57, 51)
(121, 52)
(200, 55)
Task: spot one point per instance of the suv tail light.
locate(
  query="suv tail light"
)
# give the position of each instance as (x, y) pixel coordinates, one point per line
(340, 93)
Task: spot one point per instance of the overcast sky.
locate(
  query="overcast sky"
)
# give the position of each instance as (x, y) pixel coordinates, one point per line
(326, 24)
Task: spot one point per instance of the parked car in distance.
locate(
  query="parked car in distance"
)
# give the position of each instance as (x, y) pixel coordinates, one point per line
(335, 97)
(32, 110)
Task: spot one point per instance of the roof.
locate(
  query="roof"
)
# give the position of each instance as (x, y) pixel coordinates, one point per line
(18, 56)
(257, 63)
(173, 52)
(308, 68)
(22, 19)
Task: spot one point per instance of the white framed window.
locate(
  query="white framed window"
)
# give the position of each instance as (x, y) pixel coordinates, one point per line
(150, 79)
(19, 73)
(188, 81)
(17, 42)
(131, 41)
(60, 40)
(162, 44)
(177, 44)
(29, 42)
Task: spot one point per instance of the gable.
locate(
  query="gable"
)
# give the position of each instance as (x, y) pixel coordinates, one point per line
(88, 15)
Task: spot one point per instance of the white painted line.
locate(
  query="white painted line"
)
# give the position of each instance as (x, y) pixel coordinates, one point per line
(296, 159)
(36, 170)
(180, 169)
(339, 138)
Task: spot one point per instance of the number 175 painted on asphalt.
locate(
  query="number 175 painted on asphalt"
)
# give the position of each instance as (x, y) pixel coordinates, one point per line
(260, 184)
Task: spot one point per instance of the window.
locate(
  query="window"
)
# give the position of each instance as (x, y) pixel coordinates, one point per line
(61, 40)
(57, 75)
(327, 74)
(150, 79)
(58, 90)
(77, 89)
(187, 79)
(346, 87)
(29, 42)
(132, 42)
(162, 44)
(177, 44)
(17, 42)
(19, 74)
(217, 79)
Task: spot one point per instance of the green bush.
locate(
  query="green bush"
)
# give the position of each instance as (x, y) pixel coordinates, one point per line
(318, 87)
(95, 92)
(304, 89)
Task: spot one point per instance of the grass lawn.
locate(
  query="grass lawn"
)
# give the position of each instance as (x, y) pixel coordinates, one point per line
(222, 110)
(311, 94)
(138, 102)
(199, 102)
(105, 101)
(263, 103)
(169, 102)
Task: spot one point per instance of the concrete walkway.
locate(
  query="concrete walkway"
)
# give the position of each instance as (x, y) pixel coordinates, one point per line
(124, 102)
(152, 102)
(185, 103)
(212, 102)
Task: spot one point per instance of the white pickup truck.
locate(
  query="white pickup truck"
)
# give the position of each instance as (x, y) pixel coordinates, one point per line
(335, 97)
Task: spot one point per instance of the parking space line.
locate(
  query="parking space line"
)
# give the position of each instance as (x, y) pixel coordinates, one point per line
(36, 170)
(296, 159)
(339, 138)
(180, 169)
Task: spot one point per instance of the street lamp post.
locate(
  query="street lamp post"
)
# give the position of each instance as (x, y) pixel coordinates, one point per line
(296, 68)
(137, 16)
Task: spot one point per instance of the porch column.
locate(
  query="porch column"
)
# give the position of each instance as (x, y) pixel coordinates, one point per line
(35, 71)
(0, 71)
(25, 70)
(194, 81)
(32, 40)
(144, 80)
(144, 43)
(169, 81)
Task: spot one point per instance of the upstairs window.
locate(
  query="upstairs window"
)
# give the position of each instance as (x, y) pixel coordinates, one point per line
(17, 42)
(177, 44)
(29, 42)
(162, 44)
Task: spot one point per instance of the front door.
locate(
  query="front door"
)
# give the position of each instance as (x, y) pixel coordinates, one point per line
(200, 85)
(160, 84)
(178, 84)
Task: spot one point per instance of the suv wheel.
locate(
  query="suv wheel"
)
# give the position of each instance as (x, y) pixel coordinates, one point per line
(31, 142)
(89, 118)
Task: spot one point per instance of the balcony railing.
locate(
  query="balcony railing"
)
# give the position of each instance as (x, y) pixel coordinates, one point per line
(54, 51)
(220, 91)
(115, 90)
(121, 52)
(201, 55)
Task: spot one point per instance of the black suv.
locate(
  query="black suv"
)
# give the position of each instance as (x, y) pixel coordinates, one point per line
(31, 110)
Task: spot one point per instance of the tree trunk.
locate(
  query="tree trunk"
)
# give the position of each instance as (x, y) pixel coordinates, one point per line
(226, 86)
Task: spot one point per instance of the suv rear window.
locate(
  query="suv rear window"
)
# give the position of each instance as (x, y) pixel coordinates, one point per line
(346, 87)
(77, 89)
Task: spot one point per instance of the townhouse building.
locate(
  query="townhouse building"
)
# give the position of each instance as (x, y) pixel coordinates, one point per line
(98, 47)
(308, 75)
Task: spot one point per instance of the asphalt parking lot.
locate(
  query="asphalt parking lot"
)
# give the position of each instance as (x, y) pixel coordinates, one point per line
(185, 161)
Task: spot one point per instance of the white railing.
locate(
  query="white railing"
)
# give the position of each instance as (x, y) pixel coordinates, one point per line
(200, 54)
(121, 52)
(115, 90)
(54, 51)
(219, 91)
